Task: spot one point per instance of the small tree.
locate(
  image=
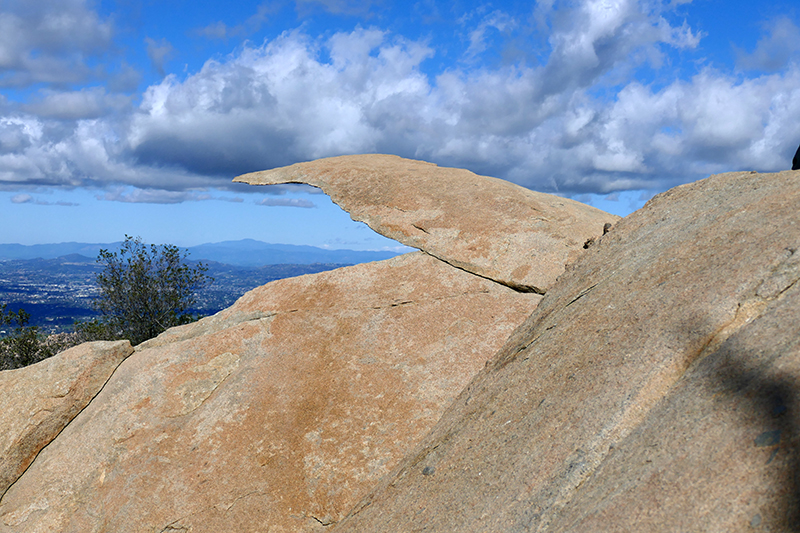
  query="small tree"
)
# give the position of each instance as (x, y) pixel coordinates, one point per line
(146, 290)
(24, 346)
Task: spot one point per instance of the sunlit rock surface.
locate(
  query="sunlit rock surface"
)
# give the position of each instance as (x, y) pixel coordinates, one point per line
(655, 387)
(276, 414)
(487, 226)
(281, 412)
(40, 400)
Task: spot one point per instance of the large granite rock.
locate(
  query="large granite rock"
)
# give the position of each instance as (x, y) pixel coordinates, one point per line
(277, 414)
(40, 400)
(487, 226)
(655, 388)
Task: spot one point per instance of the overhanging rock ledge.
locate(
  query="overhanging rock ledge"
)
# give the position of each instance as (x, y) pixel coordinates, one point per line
(486, 226)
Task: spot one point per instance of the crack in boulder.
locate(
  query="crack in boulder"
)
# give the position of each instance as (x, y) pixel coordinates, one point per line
(486, 226)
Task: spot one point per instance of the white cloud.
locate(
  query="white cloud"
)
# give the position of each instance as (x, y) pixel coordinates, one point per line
(287, 202)
(220, 30)
(577, 122)
(713, 123)
(478, 37)
(152, 196)
(279, 103)
(28, 199)
(143, 195)
(338, 7)
(22, 199)
(159, 52)
(774, 51)
(83, 153)
(88, 103)
(51, 42)
(18, 134)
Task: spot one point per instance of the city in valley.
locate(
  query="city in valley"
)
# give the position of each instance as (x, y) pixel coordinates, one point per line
(58, 291)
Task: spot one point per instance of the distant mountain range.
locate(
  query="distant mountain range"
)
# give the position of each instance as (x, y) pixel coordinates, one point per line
(56, 283)
(245, 253)
(57, 292)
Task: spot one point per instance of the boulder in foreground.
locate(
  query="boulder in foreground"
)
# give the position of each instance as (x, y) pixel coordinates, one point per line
(40, 400)
(277, 414)
(655, 388)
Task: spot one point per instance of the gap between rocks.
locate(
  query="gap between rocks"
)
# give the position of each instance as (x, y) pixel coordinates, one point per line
(527, 289)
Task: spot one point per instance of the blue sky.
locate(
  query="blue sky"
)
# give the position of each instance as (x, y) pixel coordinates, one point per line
(124, 117)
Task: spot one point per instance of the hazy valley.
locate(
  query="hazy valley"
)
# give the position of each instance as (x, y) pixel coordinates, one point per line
(56, 283)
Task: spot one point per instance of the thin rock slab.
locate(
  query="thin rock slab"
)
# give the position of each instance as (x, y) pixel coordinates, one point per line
(487, 226)
(655, 387)
(276, 414)
(38, 401)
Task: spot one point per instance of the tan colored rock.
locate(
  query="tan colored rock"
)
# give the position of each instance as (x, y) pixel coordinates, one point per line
(40, 400)
(277, 414)
(487, 226)
(654, 389)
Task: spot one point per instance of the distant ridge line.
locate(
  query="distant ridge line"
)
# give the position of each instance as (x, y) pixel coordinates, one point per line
(245, 252)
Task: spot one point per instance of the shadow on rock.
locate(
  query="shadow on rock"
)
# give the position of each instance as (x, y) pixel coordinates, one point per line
(750, 389)
(768, 406)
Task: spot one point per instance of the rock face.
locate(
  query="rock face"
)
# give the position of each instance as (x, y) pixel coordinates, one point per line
(486, 226)
(39, 401)
(281, 412)
(277, 414)
(655, 388)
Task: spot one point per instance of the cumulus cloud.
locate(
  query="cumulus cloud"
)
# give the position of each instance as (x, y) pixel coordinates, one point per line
(478, 37)
(88, 103)
(16, 135)
(712, 123)
(280, 103)
(50, 41)
(51, 153)
(573, 122)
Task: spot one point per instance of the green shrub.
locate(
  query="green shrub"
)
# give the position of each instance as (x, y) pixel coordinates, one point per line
(25, 345)
(144, 290)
